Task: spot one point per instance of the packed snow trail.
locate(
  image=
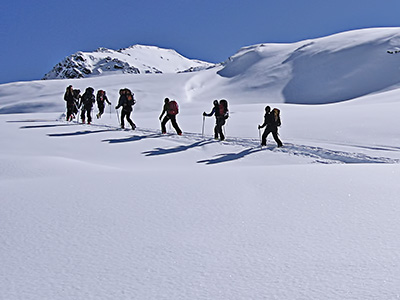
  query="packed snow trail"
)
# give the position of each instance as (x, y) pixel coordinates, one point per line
(251, 145)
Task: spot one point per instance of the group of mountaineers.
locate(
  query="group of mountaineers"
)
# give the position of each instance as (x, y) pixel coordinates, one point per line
(76, 102)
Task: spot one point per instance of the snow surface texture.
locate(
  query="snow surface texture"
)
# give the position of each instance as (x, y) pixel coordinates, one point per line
(95, 212)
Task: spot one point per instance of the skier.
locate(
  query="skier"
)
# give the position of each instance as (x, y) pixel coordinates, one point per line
(272, 120)
(171, 109)
(71, 100)
(221, 112)
(101, 98)
(86, 103)
(126, 100)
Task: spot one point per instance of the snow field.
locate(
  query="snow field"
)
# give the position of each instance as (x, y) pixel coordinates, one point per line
(95, 212)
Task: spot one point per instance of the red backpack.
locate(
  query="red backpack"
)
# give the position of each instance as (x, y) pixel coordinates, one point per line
(173, 108)
(223, 108)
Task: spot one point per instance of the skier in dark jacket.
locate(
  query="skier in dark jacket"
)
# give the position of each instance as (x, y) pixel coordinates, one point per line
(220, 110)
(101, 98)
(87, 101)
(126, 101)
(272, 122)
(171, 111)
(72, 103)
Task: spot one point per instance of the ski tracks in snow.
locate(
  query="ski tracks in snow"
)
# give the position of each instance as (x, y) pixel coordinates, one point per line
(317, 154)
(252, 146)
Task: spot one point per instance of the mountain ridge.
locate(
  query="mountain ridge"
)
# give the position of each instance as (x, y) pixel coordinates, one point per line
(136, 59)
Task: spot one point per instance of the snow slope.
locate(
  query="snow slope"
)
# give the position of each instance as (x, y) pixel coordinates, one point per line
(93, 212)
(330, 69)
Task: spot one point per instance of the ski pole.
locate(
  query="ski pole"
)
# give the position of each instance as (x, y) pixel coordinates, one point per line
(202, 130)
(259, 135)
(77, 113)
(119, 122)
(223, 127)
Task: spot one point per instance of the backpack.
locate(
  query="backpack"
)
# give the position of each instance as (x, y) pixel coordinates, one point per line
(223, 108)
(276, 116)
(173, 108)
(76, 93)
(88, 98)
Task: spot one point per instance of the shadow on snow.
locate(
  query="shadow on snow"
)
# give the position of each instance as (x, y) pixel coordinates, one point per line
(45, 126)
(317, 154)
(222, 158)
(163, 151)
(133, 138)
(78, 133)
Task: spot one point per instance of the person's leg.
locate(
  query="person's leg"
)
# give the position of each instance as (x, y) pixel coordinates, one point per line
(89, 114)
(128, 118)
(123, 114)
(221, 123)
(69, 113)
(163, 123)
(264, 136)
(175, 125)
(83, 114)
(216, 130)
(276, 138)
(101, 111)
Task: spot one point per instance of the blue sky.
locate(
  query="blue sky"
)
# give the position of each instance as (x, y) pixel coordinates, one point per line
(36, 35)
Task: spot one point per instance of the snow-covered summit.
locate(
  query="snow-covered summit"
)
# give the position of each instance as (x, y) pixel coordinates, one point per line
(137, 59)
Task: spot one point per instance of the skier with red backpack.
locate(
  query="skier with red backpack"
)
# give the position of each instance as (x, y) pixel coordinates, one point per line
(221, 112)
(171, 109)
(101, 99)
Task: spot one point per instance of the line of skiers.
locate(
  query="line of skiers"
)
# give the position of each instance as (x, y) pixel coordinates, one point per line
(171, 109)
(75, 101)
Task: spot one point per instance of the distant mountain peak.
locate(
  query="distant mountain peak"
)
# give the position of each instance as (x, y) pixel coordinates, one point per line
(136, 59)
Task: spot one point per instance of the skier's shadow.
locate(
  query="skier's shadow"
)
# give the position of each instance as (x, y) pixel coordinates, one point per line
(163, 151)
(222, 158)
(46, 126)
(30, 121)
(78, 133)
(133, 138)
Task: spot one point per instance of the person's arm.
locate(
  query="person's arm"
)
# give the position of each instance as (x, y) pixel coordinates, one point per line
(264, 124)
(210, 114)
(108, 102)
(162, 113)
